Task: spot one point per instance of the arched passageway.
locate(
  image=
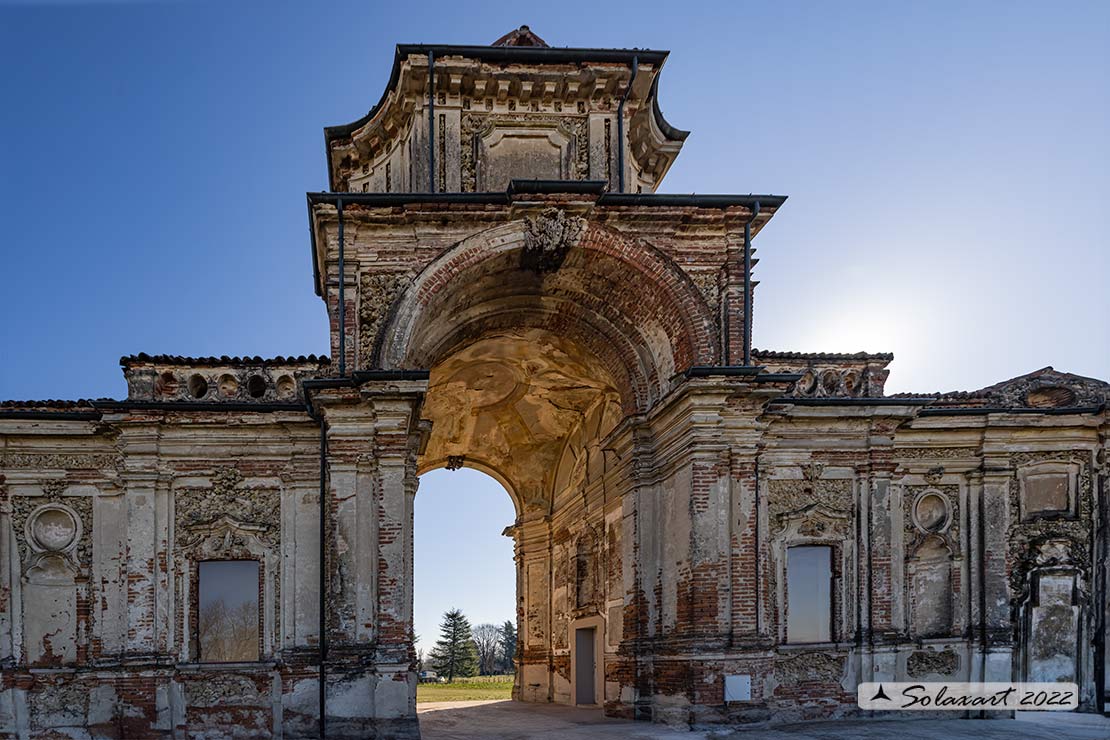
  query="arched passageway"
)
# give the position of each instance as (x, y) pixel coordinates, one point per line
(462, 560)
(568, 360)
(528, 382)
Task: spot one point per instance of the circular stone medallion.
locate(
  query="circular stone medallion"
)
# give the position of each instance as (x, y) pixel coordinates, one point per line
(54, 528)
(931, 512)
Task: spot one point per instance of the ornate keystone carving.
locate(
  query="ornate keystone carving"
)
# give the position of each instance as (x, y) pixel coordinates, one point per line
(548, 238)
(228, 506)
(934, 475)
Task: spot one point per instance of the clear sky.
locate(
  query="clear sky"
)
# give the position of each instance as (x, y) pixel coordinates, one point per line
(231, 581)
(947, 163)
(460, 558)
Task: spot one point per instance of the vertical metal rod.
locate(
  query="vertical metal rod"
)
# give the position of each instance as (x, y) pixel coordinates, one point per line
(758, 556)
(870, 565)
(981, 553)
(726, 338)
(748, 285)
(1100, 548)
(620, 125)
(859, 562)
(342, 301)
(323, 621)
(431, 121)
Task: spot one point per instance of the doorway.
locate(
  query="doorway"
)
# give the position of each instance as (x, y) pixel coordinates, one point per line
(585, 665)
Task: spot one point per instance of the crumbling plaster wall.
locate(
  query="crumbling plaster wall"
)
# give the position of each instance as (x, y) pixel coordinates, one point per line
(148, 495)
(920, 589)
(654, 527)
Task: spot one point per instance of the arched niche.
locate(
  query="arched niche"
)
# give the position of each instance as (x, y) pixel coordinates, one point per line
(930, 585)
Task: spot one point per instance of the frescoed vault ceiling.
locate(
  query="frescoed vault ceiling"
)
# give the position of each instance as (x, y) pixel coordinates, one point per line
(510, 402)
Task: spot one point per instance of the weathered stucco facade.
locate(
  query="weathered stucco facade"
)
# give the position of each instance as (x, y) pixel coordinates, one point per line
(507, 292)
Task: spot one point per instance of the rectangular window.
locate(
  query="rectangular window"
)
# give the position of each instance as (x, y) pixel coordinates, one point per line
(228, 619)
(809, 594)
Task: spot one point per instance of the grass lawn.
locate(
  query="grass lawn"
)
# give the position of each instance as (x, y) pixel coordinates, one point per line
(465, 689)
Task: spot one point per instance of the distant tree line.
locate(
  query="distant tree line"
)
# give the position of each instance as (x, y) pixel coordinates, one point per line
(463, 651)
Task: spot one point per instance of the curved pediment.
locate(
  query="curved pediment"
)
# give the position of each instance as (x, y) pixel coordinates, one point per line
(516, 109)
(1046, 388)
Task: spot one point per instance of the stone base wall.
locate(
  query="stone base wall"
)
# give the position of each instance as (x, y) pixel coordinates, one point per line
(240, 701)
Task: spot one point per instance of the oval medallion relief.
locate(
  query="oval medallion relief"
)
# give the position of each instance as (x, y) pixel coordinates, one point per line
(53, 528)
(930, 512)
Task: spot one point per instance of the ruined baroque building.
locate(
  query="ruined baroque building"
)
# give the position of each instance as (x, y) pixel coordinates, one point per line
(705, 532)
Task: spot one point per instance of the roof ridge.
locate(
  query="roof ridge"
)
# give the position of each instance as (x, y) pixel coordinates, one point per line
(143, 357)
(790, 355)
(61, 403)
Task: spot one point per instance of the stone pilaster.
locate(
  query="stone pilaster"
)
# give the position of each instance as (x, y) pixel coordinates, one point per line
(535, 639)
(699, 533)
(146, 541)
(993, 545)
(745, 545)
(8, 573)
(373, 440)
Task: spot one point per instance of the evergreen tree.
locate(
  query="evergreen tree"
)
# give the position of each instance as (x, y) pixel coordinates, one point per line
(508, 646)
(454, 653)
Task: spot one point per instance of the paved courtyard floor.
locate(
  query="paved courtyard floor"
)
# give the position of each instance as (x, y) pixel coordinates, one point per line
(507, 720)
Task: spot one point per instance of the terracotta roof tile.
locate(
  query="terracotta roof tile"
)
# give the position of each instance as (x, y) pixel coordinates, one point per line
(143, 359)
(52, 403)
(775, 355)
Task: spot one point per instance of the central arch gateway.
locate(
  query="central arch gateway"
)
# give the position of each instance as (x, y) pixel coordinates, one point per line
(539, 363)
(571, 360)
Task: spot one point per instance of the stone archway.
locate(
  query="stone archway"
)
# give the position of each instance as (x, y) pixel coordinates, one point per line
(539, 346)
(579, 365)
(619, 299)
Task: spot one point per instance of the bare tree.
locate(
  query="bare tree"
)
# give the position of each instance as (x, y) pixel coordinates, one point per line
(487, 638)
(212, 628)
(228, 635)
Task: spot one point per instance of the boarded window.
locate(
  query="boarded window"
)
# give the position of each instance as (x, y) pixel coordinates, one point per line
(809, 594)
(228, 620)
(1047, 493)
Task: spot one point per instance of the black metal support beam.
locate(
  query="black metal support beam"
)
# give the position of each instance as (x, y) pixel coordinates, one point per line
(342, 308)
(634, 200)
(322, 592)
(431, 121)
(323, 572)
(748, 284)
(620, 124)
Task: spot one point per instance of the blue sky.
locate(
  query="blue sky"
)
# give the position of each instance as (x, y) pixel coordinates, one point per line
(460, 558)
(947, 165)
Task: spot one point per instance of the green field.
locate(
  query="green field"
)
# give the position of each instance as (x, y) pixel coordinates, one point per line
(477, 688)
